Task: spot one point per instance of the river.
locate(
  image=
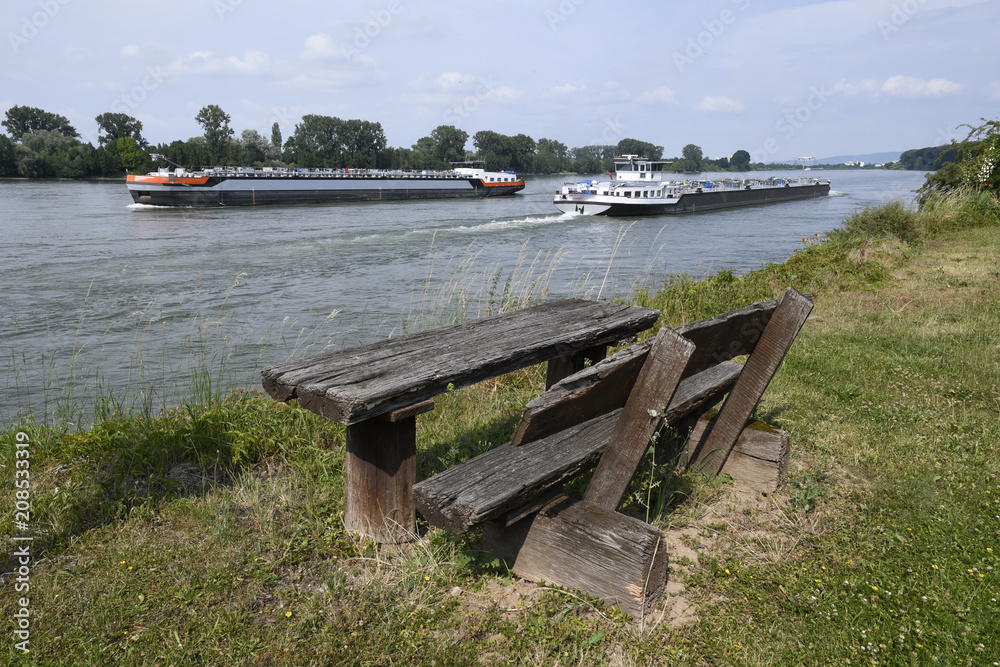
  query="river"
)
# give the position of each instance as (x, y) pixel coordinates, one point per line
(106, 305)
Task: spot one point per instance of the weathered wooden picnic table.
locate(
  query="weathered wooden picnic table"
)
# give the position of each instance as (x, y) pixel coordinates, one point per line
(377, 390)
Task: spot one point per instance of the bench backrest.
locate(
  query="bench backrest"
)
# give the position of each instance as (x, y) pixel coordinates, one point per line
(606, 385)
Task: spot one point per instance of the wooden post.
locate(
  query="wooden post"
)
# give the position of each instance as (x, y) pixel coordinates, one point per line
(653, 390)
(607, 554)
(759, 459)
(561, 367)
(380, 469)
(774, 343)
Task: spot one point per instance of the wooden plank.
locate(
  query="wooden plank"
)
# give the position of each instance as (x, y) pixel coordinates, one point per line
(507, 477)
(407, 412)
(640, 418)
(759, 459)
(606, 385)
(355, 384)
(774, 343)
(379, 472)
(617, 558)
(553, 497)
(594, 391)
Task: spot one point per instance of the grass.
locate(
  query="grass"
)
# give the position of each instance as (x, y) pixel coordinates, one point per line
(212, 533)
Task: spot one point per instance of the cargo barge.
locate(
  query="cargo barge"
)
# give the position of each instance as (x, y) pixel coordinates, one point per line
(638, 188)
(249, 186)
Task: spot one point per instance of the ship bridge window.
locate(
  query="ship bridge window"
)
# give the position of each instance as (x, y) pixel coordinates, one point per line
(628, 193)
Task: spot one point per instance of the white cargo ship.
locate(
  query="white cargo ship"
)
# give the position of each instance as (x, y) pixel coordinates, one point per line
(639, 187)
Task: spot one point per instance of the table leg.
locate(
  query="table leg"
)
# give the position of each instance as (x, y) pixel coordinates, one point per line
(562, 367)
(379, 473)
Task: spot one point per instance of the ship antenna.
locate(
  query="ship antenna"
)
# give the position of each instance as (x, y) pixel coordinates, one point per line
(157, 156)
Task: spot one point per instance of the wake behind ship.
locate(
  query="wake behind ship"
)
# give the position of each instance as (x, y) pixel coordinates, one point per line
(248, 186)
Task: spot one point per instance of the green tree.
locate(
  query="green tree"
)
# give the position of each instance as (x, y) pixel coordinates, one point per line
(254, 148)
(502, 152)
(693, 153)
(29, 163)
(130, 153)
(114, 126)
(449, 143)
(8, 157)
(315, 142)
(593, 159)
(215, 122)
(361, 143)
(422, 155)
(977, 165)
(494, 149)
(23, 121)
(640, 148)
(551, 157)
(740, 161)
(276, 136)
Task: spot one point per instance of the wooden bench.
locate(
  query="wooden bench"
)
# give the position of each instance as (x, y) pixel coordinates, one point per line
(605, 415)
(377, 390)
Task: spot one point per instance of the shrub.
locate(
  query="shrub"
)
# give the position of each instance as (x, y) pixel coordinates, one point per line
(873, 222)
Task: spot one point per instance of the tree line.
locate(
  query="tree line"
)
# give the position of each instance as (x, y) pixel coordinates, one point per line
(42, 144)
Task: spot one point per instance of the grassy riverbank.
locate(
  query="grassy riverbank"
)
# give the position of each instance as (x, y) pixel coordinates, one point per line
(212, 534)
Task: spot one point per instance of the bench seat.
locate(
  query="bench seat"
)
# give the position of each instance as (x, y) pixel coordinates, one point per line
(507, 477)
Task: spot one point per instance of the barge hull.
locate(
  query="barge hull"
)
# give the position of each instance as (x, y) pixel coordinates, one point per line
(266, 191)
(690, 202)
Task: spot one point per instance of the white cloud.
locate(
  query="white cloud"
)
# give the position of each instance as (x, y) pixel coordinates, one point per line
(505, 94)
(323, 47)
(206, 62)
(661, 95)
(847, 88)
(131, 51)
(568, 89)
(454, 80)
(720, 103)
(911, 86)
(900, 86)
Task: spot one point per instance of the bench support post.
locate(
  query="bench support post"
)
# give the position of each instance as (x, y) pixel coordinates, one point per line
(562, 367)
(615, 557)
(380, 469)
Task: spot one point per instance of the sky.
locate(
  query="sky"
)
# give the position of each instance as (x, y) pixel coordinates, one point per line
(779, 79)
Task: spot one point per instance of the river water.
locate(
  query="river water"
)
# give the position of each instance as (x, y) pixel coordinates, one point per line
(106, 305)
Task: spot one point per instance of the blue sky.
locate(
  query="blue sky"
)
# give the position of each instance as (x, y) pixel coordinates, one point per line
(779, 79)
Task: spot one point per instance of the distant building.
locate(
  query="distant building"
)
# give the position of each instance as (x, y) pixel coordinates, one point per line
(854, 163)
